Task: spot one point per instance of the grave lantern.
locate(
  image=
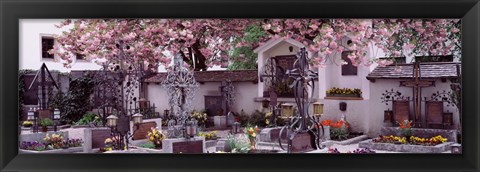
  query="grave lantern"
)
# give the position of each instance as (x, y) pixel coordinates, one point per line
(287, 110)
(317, 108)
(112, 121)
(236, 128)
(137, 119)
(456, 148)
(30, 115)
(56, 114)
(191, 129)
(56, 118)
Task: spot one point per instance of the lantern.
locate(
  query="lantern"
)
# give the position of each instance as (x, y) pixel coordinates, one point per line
(236, 128)
(456, 148)
(191, 129)
(265, 103)
(56, 114)
(137, 118)
(112, 121)
(317, 108)
(287, 110)
(30, 115)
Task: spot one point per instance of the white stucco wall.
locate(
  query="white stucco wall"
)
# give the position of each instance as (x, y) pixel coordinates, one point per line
(245, 93)
(376, 108)
(30, 34)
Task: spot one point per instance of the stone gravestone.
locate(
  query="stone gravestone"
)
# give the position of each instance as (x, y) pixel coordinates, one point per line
(142, 131)
(94, 138)
(182, 145)
(302, 142)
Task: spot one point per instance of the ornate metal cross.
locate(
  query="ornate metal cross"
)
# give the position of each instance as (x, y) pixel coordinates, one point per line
(44, 84)
(417, 84)
(227, 90)
(303, 80)
(272, 74)
(181, 86)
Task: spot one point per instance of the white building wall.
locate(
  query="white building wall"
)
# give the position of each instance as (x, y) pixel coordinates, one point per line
(245, 93)
(30, 34)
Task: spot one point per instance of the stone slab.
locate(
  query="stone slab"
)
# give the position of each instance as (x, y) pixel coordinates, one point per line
(345, 142)
(405, 148)
(272, 134)
(56, 151)
(31, 137)
(177, 145)
(451, 135)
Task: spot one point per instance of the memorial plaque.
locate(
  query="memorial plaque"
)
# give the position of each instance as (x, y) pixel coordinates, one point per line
(302, 142)
(434, 114)
(143, 130)
(213, 105)
(45, 114)
(99, 136)
(194, 146)
(401, 111)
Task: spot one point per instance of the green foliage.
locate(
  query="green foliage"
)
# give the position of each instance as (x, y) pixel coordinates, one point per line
(238, 145)
(283, 89)
(21, 90)
(148, 145)
(88, 118)
(339, 133)
(243, 57)
(257, 118)
(46, 122)
(76, 102)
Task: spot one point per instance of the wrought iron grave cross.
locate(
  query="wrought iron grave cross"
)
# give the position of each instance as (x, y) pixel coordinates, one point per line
(417, 83)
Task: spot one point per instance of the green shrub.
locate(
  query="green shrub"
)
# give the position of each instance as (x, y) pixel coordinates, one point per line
(148, 145)
(46, 122)
(339, 133)
(88, 118)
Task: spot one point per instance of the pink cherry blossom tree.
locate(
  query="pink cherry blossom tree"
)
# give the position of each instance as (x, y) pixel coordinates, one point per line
(396, 37)
(203, 42)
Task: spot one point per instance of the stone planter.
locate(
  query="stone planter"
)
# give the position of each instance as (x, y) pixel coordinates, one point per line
(405, 147)
(343, 95)
(58, 151)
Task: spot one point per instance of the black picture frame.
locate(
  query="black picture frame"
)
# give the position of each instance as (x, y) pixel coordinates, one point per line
(13, 10)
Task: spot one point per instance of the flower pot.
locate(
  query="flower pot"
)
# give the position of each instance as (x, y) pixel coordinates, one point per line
(44, 129)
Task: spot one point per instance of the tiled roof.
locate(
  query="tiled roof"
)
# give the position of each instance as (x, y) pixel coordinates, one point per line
(427, 70)
(214, 76)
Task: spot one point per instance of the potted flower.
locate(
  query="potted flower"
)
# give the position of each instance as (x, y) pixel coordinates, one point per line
(251, 133)
(156, 137)
(405, 128)
(45, 122)
(27, 123)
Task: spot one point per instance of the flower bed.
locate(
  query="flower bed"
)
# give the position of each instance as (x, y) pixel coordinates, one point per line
(412, 140)
(53, 144)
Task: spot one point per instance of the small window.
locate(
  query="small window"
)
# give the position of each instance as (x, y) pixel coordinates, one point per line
(47, 45)
(348, 69)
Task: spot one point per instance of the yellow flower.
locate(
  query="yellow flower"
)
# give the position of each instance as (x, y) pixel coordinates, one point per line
(254, 135)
